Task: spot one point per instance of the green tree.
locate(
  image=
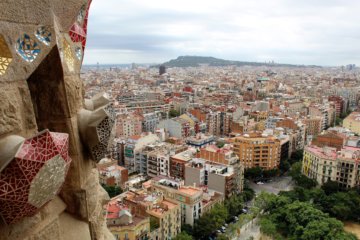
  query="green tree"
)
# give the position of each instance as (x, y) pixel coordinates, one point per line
(247, 194)
(112, 190)
(174, 113)
(338, 121)
(300, 179)
(253, 173)
(234, 205)
(295, 169)
(187, 228)
(296, 156)
(268, 227)
(284, 166)
(222, 237)
(220, 144)
(154, 223)
(183, 236)
(270, 173)
(210, 221)
(330, 187)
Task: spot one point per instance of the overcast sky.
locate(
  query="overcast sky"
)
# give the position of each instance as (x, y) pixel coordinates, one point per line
(323, 32)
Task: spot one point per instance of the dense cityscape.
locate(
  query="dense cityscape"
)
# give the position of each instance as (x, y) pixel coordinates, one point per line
(179, 120)
(198, 151)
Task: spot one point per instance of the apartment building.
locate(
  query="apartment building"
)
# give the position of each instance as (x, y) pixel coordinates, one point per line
(150, 121)
(219, 123)
(216, 177)
(200, 140)
(177, 127)
(352, 122)
(133, 159)
(313, 127)
(123, 224)
(339, 104)
(324, 164)
(256, 150)
(164, 214)
(325, 111)
(110, 174)
(158, 163)
(178, 161)
(189, 198)
(128, 125)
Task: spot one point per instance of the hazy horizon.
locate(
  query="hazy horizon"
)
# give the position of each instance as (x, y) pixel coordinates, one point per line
(305, 32)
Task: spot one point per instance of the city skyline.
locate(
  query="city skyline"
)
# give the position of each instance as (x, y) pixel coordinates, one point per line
(320, 33)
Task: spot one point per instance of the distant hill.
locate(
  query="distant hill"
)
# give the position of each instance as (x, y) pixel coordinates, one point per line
(196, 61)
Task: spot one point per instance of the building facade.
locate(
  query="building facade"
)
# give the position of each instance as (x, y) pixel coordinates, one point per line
(255, 150)
(324, 164)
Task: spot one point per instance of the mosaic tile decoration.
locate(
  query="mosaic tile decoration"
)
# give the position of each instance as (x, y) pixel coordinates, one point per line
(78, 30)
(86, 20)
(34, 176)
(104, 131)
(81, 16)
(77, 34)
(5, 56)
(68, 55)
(78, 53)
(99, 130)
(27, 48)
(43, 34)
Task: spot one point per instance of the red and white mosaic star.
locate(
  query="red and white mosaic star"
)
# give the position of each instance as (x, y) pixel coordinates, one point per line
(34, 176)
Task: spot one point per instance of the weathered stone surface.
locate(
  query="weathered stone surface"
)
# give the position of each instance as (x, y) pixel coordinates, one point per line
(50, 232)
(27, 113)
(10, 107)
(74, 89)
(21, 229)
(46, 93)
(53, 209)
(71, 228)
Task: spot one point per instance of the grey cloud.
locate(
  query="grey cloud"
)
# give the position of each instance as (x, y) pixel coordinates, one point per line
(306, 31)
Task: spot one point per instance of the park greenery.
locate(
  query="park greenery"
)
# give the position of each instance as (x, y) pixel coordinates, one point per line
(183, 236)
(286, 218)
(309, 212)
(209, 222)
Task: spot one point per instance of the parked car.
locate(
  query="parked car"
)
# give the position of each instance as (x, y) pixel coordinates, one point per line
(259, 183)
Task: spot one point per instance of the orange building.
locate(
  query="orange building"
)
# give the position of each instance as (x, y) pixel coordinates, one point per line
(287, 123)
(236, 127)
(218, 155)
(255, 150)
(330, 139)
(200, 115)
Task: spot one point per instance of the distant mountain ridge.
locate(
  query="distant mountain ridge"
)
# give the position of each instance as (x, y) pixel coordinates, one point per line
(196, 61)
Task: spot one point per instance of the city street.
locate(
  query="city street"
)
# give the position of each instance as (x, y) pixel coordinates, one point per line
(275, 186)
